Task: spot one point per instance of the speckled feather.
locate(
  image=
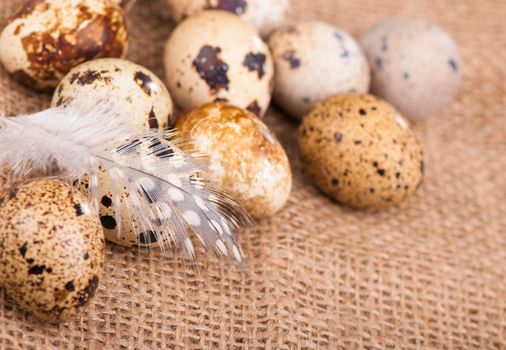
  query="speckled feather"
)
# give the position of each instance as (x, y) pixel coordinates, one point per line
(166, 198)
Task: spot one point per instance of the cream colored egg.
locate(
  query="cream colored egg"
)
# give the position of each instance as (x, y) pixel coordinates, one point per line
(44, 39)
(360, 151)
(214, 56)
(142, 93)
(52, 253)
(415, 65)
(315, 60)
(265, 15)
(247, 160)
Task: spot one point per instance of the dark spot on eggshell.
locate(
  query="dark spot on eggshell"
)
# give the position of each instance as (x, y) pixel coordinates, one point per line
(51, 53)
(453, 64)
(237, 7)
(144, 81)
(384, 44)
(211, 68)
(255, 62)
(381, 172)
(87, 77)
(254, 108)
(106, 201)
(69, 286)
(79, 209)
(36, 270)
(108, 222)
(362, 112)
(13, 192)
(147, 237)
(335, 182)
(290, 57)
(378, 62)
(86, 256)
(338, 137)
(88, 292)
(152, 120)
(23, 249)
(422, 167)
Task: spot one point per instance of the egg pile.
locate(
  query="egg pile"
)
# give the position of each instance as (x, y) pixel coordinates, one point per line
(224, 63)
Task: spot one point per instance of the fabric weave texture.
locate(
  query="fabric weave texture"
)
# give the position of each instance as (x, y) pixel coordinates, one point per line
(428, 274)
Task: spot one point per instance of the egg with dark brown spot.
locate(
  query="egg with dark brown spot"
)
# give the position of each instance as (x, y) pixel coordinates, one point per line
(214, 56)
(314, 60)
(44, 39)
(360, 151)
(264, 15)
(138, 90)
(247, 160)
(52, 253)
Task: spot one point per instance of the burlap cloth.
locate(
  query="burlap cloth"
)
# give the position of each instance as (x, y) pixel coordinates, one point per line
(430, 274)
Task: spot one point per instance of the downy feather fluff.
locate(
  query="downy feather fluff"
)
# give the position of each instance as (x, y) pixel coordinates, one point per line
(166, 197)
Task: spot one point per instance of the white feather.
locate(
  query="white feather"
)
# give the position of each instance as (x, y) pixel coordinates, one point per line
(166, 199)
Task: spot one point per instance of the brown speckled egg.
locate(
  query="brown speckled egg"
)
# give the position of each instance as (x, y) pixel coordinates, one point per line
(415, 65)
(44, 39)
(264, 15)
(315, 60)
(144, 94)
(247, 160)
(215, 56)
(131, 232)
(360, 151)
(52, 252)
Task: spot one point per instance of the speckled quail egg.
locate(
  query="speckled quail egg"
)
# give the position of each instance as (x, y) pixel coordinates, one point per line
(247, 160)
(144, 94)
(264, 15)
(360, 151)
(315, 60)
(44, 39)
(415, 65)
(52, 252)
(215, 56)
(131, 232)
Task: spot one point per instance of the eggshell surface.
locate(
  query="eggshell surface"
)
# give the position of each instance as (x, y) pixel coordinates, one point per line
(52, 252)
(247, 160)
(264, 15)
(44, 39)
(313, 61)
(360, 151)
(214, 56)
(142, 93)
(415, 65)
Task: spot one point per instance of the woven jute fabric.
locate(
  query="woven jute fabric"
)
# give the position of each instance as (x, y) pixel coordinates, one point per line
(428, 274)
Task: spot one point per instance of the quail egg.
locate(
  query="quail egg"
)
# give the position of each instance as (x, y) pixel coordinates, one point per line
(52, 252)
(265, 15)
(214, 56)
(360, 151)
(44, 39)
(247, 160)
(415, 65)
(313, 61)
(137, 88)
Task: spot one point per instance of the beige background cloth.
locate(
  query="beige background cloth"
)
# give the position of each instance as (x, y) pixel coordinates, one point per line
(429, 274)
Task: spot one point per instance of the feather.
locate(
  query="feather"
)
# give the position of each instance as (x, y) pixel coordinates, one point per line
(166, 196)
